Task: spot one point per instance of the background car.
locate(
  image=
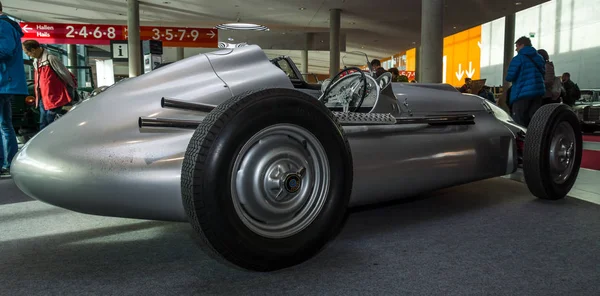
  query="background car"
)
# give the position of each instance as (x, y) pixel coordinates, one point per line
(25, 117)
(587, 109)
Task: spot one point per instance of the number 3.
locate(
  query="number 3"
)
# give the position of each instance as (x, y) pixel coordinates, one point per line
(156, 34)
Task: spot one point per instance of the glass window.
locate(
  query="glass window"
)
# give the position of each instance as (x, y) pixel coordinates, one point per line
(285, 66)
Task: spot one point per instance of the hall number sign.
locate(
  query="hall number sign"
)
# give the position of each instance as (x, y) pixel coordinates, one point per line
(58, 33)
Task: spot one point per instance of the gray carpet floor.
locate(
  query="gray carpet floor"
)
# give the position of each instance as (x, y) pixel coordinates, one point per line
(486, 238)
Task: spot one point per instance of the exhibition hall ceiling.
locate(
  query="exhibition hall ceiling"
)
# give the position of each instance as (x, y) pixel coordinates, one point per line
(379, 28)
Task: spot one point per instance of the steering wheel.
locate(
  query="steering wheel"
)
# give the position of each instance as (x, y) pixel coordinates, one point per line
(384, 80)
(346, 87)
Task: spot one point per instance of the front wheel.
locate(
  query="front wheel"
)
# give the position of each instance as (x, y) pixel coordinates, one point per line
(552, 152)
(266, 179)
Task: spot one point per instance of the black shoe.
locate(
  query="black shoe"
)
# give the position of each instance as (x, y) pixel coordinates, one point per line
(4, 173)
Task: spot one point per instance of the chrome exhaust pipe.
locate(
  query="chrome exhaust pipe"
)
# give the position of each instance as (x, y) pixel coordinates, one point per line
(177, 104)
(148, 122)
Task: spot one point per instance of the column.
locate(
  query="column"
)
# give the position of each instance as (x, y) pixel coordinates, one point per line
(509, 53)
(334, 41)
(417, 64)
(72, 52)
(180, 53)
(432, 41)
(307, 46)
(134, 43)
(304, 62)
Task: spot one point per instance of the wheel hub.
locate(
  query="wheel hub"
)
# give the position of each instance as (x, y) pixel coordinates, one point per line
(284, 180)
(280, 181)
(562, 153)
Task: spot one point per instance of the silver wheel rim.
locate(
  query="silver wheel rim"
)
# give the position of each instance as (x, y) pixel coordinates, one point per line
(562, 152)
(280, 181)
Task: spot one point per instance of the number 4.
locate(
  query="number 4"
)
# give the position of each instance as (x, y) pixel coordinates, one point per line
(83, 32)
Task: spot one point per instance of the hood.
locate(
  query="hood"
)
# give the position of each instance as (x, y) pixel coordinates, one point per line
(528, 50)
(14, 24)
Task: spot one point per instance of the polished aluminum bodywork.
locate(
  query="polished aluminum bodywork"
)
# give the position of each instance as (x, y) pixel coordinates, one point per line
(97, 160)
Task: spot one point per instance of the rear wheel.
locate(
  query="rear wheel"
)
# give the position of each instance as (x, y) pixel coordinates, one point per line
(552, 152)
(266, 179)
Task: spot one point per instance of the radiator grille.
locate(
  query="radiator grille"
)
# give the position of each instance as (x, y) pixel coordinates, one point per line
(592, 114)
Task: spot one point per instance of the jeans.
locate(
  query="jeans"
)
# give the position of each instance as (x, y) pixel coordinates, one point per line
(524, 109)
(8, 138)
(47, 116)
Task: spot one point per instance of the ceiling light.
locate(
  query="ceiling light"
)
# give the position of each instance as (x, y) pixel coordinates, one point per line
(301, 8)
(518, 3)
(454, 27)
(241, 27)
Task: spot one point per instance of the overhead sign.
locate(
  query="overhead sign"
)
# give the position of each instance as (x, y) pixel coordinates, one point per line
(181, 37)
(56, 33)
(409, 74)
(462, 55)
(119, 51)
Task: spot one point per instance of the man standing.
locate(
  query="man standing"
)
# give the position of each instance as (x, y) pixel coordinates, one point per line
(12, 82)
(526, 72)
(572, 91)
(376, 64)
(54, 83)
(466, 88)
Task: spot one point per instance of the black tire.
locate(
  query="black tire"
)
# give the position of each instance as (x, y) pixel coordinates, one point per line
(537, 163)
(208, 170)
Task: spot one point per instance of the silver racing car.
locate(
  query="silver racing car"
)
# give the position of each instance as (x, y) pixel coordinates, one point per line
(264, 166)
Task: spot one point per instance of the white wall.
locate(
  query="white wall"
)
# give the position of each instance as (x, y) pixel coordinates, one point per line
(568, 29)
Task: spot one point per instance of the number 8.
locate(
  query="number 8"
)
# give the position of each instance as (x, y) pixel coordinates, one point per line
(111, 33)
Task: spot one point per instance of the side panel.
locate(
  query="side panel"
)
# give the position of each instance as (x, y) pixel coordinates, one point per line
(425, 100)
(394, 162)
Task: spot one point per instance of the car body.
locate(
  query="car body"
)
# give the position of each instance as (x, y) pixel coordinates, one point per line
(587, 109)
(233, 122)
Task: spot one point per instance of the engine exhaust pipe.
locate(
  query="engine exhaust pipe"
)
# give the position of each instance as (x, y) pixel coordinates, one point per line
(147, 122)
(177, 104)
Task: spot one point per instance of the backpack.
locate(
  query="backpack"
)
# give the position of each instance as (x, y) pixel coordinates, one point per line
(557, 88)
(71, 90)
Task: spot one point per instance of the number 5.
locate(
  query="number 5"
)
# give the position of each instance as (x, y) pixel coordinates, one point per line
(169, 34)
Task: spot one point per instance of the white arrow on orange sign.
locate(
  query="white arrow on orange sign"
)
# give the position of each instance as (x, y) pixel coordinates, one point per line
(471, 70)
(211, 34)
(26, 29)
(460, 72)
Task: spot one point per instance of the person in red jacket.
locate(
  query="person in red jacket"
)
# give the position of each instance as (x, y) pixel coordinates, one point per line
(54, 83)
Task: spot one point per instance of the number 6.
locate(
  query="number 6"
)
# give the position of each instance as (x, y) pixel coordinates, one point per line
(97, 33)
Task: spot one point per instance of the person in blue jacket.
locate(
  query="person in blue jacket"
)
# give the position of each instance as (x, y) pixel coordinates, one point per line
(526, 72)
(12, 82)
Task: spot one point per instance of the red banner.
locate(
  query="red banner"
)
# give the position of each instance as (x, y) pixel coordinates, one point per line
(409, 74)
(54, 33)
(181, 37)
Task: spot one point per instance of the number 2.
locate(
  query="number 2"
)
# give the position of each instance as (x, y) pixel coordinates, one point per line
(70, 33)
